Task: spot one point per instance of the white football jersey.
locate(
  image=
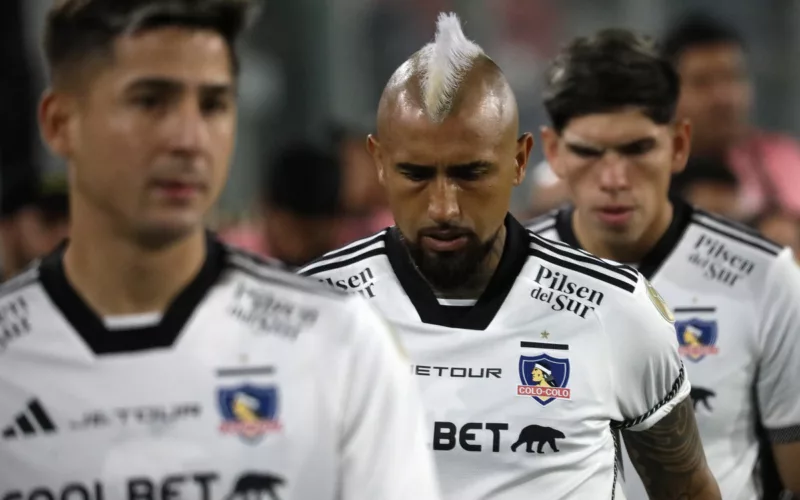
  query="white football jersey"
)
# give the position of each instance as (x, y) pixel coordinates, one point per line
(255, 383)
(736, 299)
(526, 388)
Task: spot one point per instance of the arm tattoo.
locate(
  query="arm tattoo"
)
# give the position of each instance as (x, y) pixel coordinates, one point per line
(668, 455)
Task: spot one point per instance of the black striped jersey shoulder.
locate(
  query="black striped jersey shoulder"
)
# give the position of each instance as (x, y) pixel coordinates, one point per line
(556, 225)
(735, 233)
(360, 267)
(566, 258)
(354, 254)
(273, 273)
(729, 256)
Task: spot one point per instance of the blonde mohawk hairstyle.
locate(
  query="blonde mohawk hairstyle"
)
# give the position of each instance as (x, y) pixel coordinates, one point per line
(443, 65)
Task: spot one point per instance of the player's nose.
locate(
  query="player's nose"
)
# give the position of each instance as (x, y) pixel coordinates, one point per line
(186, 129)
(614, 172)
(443, 200)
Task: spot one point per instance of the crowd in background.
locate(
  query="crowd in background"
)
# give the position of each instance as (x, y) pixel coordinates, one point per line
(305, 188)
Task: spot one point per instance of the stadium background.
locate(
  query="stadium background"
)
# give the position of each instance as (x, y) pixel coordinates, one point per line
(311, 66)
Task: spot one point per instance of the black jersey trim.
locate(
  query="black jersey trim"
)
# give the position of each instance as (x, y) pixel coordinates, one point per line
(676, 387)
(93, 331)
(655, 258)
(624, 285)
(284, 278)
(681, 220)
(480, 315)
(784, 435)
(618, 467)
(765, 474)
(573, 250)
(354, 247)
(739, 228)
(580, 255)
(730, 234)
(343, 263)
(350, 249)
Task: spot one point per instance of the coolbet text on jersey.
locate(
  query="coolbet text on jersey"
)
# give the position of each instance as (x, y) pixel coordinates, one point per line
(736, 299)
(254, 384)
(527, 388)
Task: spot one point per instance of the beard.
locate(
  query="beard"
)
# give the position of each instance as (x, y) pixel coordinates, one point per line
(449, 271)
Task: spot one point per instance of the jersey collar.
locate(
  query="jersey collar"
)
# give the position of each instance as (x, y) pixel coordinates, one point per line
(651, 263)
(480, 315)
(93, 331)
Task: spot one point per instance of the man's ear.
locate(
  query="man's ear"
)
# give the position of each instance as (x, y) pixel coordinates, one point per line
(55, 114)
(524, 146)
(550, 148)
(374, 148)
(681, 145)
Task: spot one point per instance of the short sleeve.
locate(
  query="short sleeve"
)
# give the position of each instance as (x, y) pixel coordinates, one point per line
(384, 450)
(648, 372)
(779, 367)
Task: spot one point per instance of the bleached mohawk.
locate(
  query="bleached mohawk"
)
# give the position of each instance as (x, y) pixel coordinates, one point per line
(444, 64)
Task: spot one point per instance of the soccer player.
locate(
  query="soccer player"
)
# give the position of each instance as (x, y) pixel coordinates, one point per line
(531, 355)
(146, 361)
(615, 142)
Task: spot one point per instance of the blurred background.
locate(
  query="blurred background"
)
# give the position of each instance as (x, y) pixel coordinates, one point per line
(313, 71)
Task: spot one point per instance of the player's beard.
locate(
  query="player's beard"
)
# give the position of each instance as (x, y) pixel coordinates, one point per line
(451, 271)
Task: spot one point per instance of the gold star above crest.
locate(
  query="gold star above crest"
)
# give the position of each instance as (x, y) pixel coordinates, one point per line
(545, 334)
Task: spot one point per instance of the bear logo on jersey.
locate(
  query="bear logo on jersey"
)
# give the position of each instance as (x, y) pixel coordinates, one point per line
(536, 433)
(544, 378)
(253, 485)
(697, 338)
(701, 395)
(248, 410)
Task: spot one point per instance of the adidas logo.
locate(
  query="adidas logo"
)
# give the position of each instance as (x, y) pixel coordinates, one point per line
(30, 422)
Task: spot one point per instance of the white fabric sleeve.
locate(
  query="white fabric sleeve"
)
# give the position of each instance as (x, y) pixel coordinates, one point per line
(384, 451)
(778, 385)
(647, 369)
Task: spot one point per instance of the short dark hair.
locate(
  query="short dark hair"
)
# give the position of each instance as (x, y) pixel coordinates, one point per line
(304, 179)
(78, 29)
(697, 30)
(33, 188)
(701, 169)
(609, 71)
